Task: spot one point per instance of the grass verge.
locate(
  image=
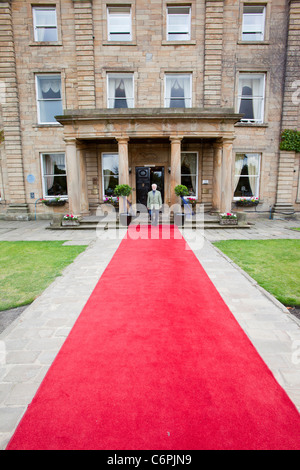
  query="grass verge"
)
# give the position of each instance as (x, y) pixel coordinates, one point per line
(27, 268)
(274, 264)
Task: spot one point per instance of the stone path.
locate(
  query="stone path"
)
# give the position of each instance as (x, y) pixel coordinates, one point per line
(30, 343)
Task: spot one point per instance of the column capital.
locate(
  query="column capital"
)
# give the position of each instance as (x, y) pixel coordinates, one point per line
(70, 140)
(122, 139)
(228, 140)
(175, 138)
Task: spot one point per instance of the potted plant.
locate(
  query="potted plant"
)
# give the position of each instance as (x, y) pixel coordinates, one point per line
(70, 219)
(228, 218)
(181, 191)
(113, 201)
(123, 190)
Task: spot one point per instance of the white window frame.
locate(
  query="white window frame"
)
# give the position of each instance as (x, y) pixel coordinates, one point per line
(110, 33)
(197, 170)
(262, 76)
(257, 176)
(103, 154)
(186, 36)
(36, 27)
(38, 100)
(171, 75)
(119, 75)
(261, 30)
(45, 196)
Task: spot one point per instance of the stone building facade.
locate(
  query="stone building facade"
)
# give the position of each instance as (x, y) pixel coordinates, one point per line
(96, 93)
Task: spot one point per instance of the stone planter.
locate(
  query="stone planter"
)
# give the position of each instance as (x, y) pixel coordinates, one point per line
(228, 221)
(70, 222)
(125, 219)
(179, 218)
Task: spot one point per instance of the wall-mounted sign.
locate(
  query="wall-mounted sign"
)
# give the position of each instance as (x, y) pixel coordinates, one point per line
(31, 178)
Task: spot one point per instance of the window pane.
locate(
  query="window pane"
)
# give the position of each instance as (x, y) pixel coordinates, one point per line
(54, 174)
(45, 17)
(247, 175)
(110, 182)
(178, 23)
(253, 23)
(49, 109)
(189, 173)
(46, 34)
(49, 98)
(110, 164)
(251, 97)
(178, 91)
(120, 91)
(119, 24)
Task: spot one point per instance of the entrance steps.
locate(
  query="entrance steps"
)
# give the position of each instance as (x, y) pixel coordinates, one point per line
(93, 222)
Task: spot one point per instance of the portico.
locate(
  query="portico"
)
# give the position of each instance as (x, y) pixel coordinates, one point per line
(149, 138)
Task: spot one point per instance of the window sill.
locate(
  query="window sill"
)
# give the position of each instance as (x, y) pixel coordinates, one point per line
(249, 124)
(119, 43)
(46, 44)
(254, 43)
(37, 126)
(178, 43)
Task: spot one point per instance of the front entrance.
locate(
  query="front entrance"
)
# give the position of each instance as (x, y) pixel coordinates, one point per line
(145, 177)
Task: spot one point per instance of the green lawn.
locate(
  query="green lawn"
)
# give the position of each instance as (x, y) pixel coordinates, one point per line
(27, 268)
(274, 264)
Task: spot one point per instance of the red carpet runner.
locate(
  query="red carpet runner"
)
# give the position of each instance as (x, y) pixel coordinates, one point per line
(156, 361)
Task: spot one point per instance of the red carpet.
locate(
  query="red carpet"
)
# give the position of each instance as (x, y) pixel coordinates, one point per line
(156, 361)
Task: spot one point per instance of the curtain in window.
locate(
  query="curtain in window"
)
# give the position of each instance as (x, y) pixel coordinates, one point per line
(253, 172)
(239, 163)
(49, 98)
(189, 172)
(176, 88)
(120, 92)
(250, 98)
(45, 24)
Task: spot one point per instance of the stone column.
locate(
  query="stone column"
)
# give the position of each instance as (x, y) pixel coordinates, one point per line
(175, 167)
(217, 176)
(123, 168)
(227, 183)
(14, 183)
(73, 176)
(84, 200)
(123, 160)
(284, 194)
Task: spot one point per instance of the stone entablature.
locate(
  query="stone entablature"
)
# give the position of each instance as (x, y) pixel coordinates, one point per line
(154, 122)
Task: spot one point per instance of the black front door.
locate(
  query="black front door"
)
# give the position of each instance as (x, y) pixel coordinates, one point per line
(145, 177)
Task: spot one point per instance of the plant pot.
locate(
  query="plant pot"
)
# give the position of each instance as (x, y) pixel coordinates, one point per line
(179, 218)
(246, 204)
(54, 203)
(228, 221)
(125, 219)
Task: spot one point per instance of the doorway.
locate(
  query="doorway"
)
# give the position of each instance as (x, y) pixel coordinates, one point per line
(145, 177)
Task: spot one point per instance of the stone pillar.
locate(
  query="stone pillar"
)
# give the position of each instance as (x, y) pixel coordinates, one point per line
(284, 202)
(123, 160)
(84, 200)
(217, 176)
(227, 183)
(175, 167)
(73, 176)
(9, 102)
